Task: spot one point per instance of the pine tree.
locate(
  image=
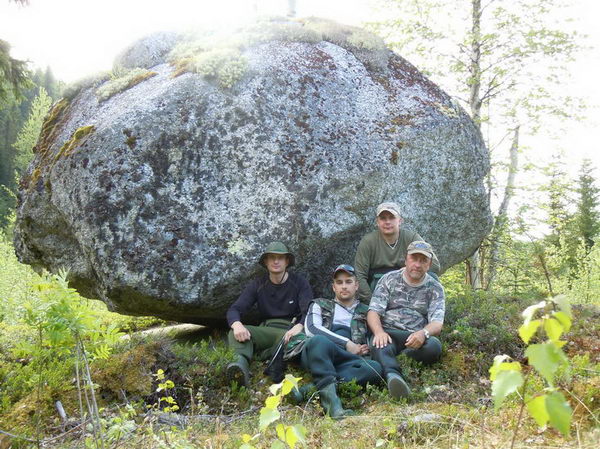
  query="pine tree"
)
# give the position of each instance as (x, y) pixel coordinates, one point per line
(14, 76)
(588, 218)
(28, 135)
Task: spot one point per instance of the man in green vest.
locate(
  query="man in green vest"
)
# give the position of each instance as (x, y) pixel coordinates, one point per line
(384, 250)
(336, 344)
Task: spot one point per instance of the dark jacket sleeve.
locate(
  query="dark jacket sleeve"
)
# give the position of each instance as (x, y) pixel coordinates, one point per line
(305, 297)
(243, 304)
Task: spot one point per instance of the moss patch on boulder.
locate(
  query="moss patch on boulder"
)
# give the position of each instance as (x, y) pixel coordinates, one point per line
(221, 58)
(122, 83)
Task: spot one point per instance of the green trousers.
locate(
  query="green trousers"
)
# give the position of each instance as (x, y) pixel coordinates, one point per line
(263, 339)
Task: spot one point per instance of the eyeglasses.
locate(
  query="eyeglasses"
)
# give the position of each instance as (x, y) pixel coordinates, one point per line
(348, 268)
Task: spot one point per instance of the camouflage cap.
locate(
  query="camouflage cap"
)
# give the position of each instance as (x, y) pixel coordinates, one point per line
(276, 248)
(389, 206)
(421, 247)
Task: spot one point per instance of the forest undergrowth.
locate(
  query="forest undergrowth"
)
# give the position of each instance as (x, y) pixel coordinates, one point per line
(69, 379)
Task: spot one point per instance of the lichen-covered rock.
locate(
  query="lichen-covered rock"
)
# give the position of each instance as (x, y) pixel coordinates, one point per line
(160, 198)
(148, 51)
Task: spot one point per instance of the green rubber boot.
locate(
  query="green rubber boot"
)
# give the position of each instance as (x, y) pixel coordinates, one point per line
(239, 371)
(332, 404)
(298, 395)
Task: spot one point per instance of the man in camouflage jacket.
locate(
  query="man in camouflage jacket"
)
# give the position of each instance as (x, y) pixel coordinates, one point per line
(406, 312)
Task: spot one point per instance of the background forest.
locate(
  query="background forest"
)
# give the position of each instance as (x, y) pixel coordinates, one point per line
(73, 374)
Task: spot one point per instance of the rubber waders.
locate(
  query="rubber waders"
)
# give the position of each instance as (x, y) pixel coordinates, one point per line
(332, 404)
(239, 371)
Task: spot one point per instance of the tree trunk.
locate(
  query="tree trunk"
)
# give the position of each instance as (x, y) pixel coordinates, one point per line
(502, 217)
(291, 8)
(474, 84)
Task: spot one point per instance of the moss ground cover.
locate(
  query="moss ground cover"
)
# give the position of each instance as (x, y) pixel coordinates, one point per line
(451, 406)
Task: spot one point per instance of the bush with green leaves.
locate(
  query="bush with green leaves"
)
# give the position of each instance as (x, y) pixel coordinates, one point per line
(285, 436)
(482, 323)
(550, 318)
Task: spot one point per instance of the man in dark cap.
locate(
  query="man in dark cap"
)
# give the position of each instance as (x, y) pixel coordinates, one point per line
(336, 346)
(281, 296)
(384, 249)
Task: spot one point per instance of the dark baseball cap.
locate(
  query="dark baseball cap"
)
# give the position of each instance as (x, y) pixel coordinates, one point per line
(346, 268)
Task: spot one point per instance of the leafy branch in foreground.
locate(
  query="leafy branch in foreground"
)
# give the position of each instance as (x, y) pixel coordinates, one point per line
(551, 317)
(287, 436)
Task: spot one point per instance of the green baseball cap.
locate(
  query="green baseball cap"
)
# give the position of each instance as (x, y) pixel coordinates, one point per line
(421, 247)
(276, 248)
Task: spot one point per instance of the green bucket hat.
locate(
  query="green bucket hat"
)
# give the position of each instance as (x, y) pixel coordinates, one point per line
(276, 248)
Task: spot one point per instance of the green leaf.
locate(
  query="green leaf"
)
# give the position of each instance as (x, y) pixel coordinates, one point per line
(563, 304)
(289, 383)
(537, 409)
(273, 402)
(546, 359)
(564, 319)
(526, 331)
(280, 429)
(274, 389)
(506, 382)
(530, 311)
(295, 434)
(278, 445)
(499, 365)
(496, 365)
(560, 412)
(553, 329)
(267, 416)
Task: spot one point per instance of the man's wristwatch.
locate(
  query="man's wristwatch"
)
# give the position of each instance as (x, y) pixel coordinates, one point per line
(426, 332)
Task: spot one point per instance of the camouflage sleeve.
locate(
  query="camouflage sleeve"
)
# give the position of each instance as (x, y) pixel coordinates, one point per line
(437, 304)
(381, 295)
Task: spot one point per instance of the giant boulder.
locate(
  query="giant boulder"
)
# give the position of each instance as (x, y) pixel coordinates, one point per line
(158, 189)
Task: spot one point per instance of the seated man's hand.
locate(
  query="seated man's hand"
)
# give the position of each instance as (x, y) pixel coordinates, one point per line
(240, 333)
(415, 340)
(381, 340)
(352, 347)
(293, 331)
(364, 349)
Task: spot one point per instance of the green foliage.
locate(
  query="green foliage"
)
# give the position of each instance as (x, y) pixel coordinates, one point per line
(8, 202)
(483, 323)
(14, 76)
(28, 135)
(588, 216)
(287, 435)
(165, 386)
(548, 405)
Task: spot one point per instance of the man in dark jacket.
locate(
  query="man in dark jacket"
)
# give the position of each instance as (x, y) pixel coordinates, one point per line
(336, 343)
(280, 296)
